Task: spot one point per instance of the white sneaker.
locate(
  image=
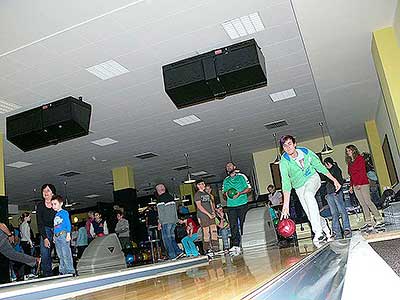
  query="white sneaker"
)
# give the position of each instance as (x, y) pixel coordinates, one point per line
(319, 240)
(236, 251)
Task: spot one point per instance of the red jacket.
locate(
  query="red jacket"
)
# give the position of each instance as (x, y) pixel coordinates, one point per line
(358, 172)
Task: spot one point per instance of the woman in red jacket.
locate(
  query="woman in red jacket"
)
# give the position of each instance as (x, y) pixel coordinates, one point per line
(359, 184)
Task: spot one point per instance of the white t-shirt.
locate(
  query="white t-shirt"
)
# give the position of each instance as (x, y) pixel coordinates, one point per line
(275, 198)
(300, 159)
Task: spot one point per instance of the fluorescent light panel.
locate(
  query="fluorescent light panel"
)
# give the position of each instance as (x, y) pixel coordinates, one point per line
(243, 26)
(104, 142)
(108, 69)
(92, 196)
(19, 164)
(187, 120)
(200, 173)
(287, 94)
(6, 107)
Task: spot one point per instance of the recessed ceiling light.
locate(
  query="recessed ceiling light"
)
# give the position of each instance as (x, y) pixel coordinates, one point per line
(19, 164)
(104, 142)
(200, 173)
(146, 155)
(104, 160)
(107, 70)
(92, 196)
(243, 26)
(187, 120)
(6, 107)
(282, 95)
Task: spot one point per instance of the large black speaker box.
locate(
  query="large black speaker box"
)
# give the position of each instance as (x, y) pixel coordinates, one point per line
(49, 124)
(215, 74)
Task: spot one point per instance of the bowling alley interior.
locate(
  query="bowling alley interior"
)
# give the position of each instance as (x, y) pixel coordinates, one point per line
(198, 149)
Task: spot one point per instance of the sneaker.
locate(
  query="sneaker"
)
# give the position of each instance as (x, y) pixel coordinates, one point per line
(210, 254)
(379, 224)
(219, 252)
(365, 226)
(347, 233)
(179, 256)
(320, 240)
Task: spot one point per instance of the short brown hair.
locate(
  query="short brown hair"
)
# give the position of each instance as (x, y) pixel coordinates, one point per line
(59, 198)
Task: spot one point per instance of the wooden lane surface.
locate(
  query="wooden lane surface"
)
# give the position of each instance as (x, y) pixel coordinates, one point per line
(223, 278)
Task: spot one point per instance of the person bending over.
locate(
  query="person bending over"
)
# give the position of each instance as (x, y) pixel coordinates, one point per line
(298, 168)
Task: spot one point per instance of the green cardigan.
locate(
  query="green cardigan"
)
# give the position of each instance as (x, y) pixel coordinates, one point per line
(295, 177)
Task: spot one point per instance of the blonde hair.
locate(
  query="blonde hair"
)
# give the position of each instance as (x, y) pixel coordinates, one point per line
(355, 151)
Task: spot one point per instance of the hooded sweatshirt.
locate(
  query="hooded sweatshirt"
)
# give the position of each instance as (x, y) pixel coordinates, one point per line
(295, 176)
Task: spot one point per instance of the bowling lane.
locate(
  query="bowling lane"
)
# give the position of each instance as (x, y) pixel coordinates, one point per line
(223, 278)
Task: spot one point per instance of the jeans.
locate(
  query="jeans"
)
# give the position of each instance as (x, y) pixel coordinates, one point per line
(337, 207)
(64, 253)
(189, 246)
(225, 232)
(168, 236)
(45, 253)
(236, 216)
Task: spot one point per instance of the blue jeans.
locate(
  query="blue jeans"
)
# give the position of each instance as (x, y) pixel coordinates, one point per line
(64, 253)
(45, 253)
(189, 246)
(225, 232)
(337, 207)
(168, 237)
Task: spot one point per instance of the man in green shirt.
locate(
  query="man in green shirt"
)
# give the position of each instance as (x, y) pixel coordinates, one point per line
(236, 186)
(299, 167)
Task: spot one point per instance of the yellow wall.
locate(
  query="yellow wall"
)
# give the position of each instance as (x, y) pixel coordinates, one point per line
(375, 144)
(188, 190)
(123, 178)
(262, 159)
(396, 23)
(386, 54)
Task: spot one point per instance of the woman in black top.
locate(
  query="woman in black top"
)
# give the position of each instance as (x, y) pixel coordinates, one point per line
(45, 218)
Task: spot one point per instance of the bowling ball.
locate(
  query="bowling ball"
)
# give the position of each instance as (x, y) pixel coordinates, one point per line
(130, 259)
(100, 234)
(134, 245)
(286, 228)
(232, 192)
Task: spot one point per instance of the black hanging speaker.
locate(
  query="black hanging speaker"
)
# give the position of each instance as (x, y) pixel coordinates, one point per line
(49, 124)
(215, 74)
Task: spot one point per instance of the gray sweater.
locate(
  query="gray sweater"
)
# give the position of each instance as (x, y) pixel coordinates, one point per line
(122, 228)
(167, 213)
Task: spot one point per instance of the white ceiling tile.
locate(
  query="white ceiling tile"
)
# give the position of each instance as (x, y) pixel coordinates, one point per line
(8, 66)
(33, 55)
(87, 56)
(51, 91)
(78, 79)
(66, 41)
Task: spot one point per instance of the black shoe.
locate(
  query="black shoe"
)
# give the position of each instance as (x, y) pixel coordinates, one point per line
(365, 226)
(210, 254)
(347, 233)
(379, 225)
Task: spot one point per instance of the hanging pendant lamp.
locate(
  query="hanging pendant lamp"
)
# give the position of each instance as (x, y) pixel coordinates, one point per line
(325, 149)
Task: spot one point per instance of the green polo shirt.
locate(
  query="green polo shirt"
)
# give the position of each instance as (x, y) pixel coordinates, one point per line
(240, 183)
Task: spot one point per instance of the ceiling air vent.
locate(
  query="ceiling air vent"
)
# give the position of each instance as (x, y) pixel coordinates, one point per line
(69, 174)
(146, 155)
(276, 124)
(180, 168)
